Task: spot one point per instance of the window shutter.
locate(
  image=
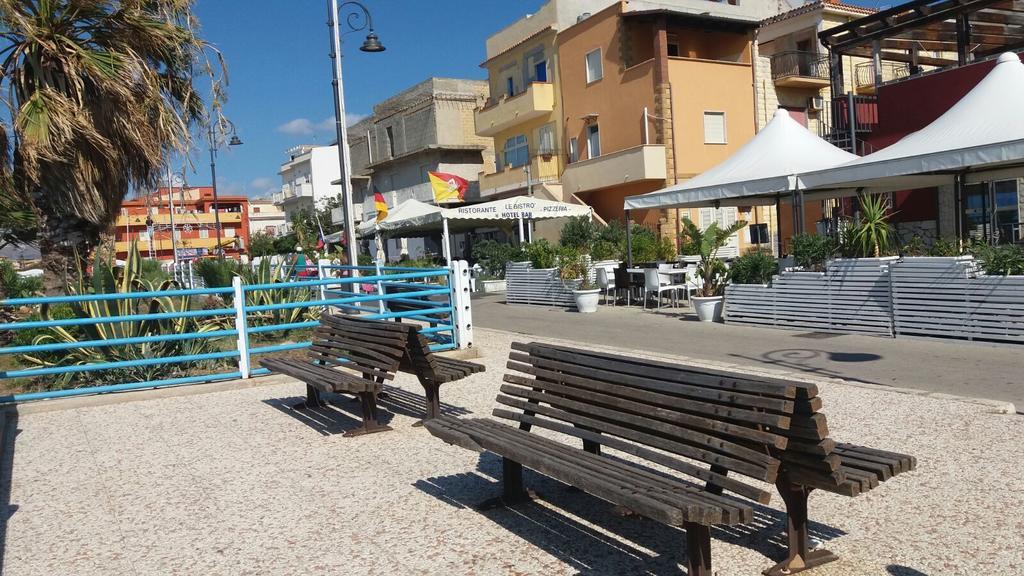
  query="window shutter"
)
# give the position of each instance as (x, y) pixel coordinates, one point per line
(707, 216)
(714, 127)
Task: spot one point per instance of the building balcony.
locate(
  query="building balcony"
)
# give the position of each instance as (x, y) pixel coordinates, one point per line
(867, 80)
(537, 101)
(299, 190)
(180, 218)
(164, 243)
(543, 170)
(644, 162)
(800, 69)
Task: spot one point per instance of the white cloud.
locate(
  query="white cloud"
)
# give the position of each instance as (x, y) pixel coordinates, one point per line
(262, 183)
(297, 127)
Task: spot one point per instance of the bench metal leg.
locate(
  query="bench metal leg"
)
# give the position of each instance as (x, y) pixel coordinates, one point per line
(801, 557)
(698, 549)
(370, 422)
(313, 400)
(512, 490)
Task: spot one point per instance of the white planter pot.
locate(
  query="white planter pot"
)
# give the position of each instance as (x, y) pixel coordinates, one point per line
(586, 300)
(489, 286)
(709, 308)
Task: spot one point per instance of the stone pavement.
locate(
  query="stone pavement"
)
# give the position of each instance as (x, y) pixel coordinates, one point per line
(233, 483)
(947, 367)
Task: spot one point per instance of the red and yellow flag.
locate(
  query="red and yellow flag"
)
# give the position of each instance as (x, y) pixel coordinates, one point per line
(448, 187)
(381, 205)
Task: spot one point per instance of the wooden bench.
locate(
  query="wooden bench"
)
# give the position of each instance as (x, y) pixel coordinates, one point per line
(432, 370)
(812, 460)
(699, 423)
(349, 356)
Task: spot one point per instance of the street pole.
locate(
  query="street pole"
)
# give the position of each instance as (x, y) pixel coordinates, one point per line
(216, 205)
(170, 204)
(342, 136)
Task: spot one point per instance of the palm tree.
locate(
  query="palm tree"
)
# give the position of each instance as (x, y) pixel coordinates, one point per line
(101, 93)
(708, 242)
(873, 234)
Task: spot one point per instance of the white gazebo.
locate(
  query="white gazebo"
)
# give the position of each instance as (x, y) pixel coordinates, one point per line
(412, 217)
(981, 135)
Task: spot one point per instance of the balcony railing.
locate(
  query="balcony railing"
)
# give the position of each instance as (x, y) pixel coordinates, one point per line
(865, 77)
(796, 68)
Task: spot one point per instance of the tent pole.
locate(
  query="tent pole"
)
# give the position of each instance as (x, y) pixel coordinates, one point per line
(629, 239)
(445, 245)
(778, 226)
(522, 238)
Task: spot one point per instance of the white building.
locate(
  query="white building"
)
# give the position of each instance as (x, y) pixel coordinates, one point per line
(306, 179)
(265, 217)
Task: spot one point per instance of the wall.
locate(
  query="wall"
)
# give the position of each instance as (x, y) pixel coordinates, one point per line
(700, 86)
(325, 169)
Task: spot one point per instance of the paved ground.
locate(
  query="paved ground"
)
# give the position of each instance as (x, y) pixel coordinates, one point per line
(955, 367)
(232, 483)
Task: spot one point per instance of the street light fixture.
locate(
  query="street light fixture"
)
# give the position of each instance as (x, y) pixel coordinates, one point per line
(358, 19)
(223, 128)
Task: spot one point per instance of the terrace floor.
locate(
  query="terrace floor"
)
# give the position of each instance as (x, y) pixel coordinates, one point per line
(232, 482)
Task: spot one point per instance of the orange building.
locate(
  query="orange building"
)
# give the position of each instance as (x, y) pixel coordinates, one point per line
(147, 219)
(652, 97)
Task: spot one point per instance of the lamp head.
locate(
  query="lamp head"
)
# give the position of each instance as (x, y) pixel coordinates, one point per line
(235, 141)
(372, 43)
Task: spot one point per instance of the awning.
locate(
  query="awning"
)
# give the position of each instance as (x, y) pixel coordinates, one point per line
(525, 207)
(409, 216)
(765, 166)
(982, 132)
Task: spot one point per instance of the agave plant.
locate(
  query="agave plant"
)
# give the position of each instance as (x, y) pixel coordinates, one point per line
(265, 273)
(711, 270)
(109, 279)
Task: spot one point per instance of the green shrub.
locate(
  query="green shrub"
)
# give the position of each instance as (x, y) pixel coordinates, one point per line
(262, 244)
(605, 250)
(943, 247)
(1002, 260)
(492, 256)
(217, 273)
(579, 232)
(13, 285)
(812, 251)
(541, 254)
(754, 267)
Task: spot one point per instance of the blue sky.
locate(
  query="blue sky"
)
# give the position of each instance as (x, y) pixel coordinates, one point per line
(280, 73)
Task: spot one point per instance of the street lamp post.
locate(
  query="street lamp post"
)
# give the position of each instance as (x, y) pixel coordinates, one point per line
(215, 137)
(356, 21)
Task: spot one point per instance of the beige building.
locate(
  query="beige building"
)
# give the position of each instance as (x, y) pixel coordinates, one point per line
(265, 217)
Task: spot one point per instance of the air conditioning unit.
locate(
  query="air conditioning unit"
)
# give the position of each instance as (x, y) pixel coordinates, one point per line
(815, 103)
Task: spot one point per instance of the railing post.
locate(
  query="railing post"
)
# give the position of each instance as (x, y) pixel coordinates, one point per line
(241, 327)
(460, 298)
(320, 275)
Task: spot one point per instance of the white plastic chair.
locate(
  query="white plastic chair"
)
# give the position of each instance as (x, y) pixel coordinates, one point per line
(657, 281)
(605, 283)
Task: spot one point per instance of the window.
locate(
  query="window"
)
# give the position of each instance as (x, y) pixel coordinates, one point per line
(574, 150)
(593, 141)
(517, 152)
(673, 45)
(229, 232)
(540, 71)
(204, 233)
(546, 139)
(389, 133)
(510, 87)
(714, 127)
(256, 210)
(177, 234)
(595, 71)
(758, 234)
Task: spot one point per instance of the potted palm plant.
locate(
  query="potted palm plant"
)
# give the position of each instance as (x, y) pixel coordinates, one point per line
(711, 271)
(575, 267)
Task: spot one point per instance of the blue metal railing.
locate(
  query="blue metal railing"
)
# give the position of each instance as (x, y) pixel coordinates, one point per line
(111, 340)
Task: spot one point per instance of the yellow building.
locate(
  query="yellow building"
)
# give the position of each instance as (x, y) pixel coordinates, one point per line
(653, 96)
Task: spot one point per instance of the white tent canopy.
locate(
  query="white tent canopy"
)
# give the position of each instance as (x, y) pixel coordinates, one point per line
(765, 166)
(984, 131)
(409, 216)
(525, 207)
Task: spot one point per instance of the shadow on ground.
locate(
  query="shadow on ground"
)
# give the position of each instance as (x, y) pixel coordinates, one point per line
(9, 435)
(343, 413)
(802, 359)
(624, 545)
(900, 570)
